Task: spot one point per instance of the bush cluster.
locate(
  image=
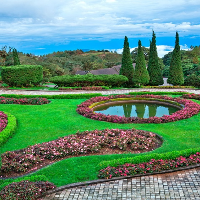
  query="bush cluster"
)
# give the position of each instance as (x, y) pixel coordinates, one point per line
(193, 80)
(25, 190)
(86, 109)
(22, 75)
(191, 96)
(82, 143)
(24, 101)
(129, 169)
(89, 80)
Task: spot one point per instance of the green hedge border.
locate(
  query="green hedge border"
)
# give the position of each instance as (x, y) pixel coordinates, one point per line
(59, 96)
(9, 130)
(147, 158)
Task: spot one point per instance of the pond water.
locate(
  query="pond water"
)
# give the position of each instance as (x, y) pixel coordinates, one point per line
(133, 109)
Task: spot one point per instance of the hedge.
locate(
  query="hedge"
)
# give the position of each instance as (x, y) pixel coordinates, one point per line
(22, 75)
(59, 96)
(89, 80)
(9, 130)
(147, 158)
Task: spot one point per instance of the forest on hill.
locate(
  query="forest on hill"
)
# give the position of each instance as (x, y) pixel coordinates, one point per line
(68, 62)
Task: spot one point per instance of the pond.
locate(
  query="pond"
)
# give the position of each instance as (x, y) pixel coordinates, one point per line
(136, 109)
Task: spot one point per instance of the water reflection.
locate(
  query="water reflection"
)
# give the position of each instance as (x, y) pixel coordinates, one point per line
(141, 110)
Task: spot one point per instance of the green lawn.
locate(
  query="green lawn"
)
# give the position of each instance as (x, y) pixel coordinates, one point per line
(42, 123)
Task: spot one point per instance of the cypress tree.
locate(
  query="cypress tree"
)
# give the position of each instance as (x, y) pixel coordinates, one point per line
(16, 57)
(154, 70)
(175, 70)
(127, 66)
(141, 76)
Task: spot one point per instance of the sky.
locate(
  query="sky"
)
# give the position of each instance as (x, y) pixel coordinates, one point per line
(45, 26)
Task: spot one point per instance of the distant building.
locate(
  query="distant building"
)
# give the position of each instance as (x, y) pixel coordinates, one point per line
(112, 70)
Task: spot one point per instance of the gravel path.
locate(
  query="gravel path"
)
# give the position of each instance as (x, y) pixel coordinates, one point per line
(105, 92)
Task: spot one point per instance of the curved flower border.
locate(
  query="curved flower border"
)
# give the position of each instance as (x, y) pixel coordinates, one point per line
(86, 142)
(190, 108)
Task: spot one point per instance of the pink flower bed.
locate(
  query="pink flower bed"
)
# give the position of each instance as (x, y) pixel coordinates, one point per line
(86, 142)
(25, 190)
(191, 96)
(190, 108)
(3, 121)
(24, 101)
(148, 167)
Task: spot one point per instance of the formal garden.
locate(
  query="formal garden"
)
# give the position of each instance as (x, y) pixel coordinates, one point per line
(47, 141)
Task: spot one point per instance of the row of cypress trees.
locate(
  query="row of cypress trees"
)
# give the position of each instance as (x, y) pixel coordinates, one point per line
(152, 75)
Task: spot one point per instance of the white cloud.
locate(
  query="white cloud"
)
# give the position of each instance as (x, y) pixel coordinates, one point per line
(161, 49)
(61, 20)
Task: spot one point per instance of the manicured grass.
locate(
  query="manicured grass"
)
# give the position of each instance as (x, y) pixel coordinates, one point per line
(42, 123)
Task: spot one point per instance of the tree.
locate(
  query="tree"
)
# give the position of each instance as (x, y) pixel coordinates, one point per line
(175, 69)
(16, 57)
(141, 76)
(154, 69)
(127, 66)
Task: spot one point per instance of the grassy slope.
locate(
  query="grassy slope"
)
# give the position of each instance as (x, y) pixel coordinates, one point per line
(37, 124)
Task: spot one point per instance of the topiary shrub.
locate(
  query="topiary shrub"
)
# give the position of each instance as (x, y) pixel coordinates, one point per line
(89, 80)
(22, 75)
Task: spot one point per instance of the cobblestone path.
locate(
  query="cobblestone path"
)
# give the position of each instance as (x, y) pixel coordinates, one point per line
(182, 185)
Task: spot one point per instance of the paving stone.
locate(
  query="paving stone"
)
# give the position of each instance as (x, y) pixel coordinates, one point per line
(181, 185)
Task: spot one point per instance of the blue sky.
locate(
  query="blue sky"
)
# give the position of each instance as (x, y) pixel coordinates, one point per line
(44, 26)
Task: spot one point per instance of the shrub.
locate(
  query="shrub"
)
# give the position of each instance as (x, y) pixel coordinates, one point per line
(9, 128)
(25, 190)
(190, 108)
(22, 75)
(193, 80)
(89, 80)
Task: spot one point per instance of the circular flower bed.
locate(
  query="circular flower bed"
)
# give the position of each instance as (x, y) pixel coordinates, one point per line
(106, 141)
(190, 108)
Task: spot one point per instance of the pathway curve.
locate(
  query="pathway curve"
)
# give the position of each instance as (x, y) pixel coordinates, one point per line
(181, 185)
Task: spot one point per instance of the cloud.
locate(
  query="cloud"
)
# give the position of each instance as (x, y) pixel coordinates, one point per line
(161, 49)
(45, 21)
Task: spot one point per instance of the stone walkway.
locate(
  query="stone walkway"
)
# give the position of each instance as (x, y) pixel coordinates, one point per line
(105, 92)
(181, 185)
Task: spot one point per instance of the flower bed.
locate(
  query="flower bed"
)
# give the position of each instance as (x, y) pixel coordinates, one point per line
(94, 88)
(25, 190)
(3, 121)
(86, 109)
(148, 167)
(24, 101)
(191, 96)
(86, 142)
